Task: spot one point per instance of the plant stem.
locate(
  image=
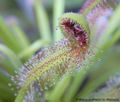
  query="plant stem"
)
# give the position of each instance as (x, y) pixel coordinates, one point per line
(58, 10)
(42, 21)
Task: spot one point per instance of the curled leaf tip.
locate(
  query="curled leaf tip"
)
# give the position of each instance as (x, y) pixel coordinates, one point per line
(75, 27)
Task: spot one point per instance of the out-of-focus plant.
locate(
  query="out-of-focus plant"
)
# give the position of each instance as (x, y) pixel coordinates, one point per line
(101, 17)
(15, 47)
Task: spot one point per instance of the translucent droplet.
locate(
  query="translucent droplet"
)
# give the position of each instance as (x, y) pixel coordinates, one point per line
(15, 72)
(15, 94)
(9, 84)
(46, 88)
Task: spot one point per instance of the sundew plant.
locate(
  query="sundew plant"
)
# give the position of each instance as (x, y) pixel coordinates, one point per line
(76, 57)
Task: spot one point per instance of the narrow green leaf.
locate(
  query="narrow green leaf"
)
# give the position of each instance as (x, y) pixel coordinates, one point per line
(23, 40)
(79, 77)
(42, 21)
(91, 6)
(9, 60)
(60, 87)
(28, 52)
(114, 24)
(15, 41)
(58, 10)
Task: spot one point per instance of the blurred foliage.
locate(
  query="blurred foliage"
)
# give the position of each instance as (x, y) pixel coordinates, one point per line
(16, 48)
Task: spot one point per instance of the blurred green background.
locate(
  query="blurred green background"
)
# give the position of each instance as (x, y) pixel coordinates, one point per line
(22, 35)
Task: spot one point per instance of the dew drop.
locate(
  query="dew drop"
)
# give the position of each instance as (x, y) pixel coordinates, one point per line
(16, 72)
(46, 88)
(15, 94)
(9, 84)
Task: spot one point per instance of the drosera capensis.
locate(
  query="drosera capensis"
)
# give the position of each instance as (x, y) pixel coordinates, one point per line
(57, 60)
(53, 62)
(64, 56)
